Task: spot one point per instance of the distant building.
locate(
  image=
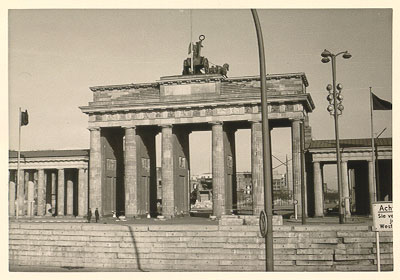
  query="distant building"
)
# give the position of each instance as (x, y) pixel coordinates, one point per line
(279, 182)
(244, 183)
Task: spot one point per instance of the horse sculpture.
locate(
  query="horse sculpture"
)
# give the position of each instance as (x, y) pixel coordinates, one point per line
(200, 63)
(222, 70)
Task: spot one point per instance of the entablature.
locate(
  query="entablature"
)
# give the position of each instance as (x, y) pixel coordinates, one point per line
(187, 114)
(50, 163)
(361, 154)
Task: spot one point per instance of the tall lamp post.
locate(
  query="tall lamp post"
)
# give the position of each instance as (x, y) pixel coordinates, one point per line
(336, 108)
(266, 138)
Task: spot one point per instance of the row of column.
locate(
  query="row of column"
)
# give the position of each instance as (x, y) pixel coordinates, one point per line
(318, 187)
(17, 196)
(167, 175)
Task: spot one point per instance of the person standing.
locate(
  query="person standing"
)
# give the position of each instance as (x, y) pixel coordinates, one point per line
(89, 215)
(96, 213)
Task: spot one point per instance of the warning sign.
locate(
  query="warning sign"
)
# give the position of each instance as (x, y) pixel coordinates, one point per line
(382, 214)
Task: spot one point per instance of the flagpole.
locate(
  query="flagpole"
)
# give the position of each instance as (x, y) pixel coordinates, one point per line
(191, 44)
(18, 162)
(373, 147)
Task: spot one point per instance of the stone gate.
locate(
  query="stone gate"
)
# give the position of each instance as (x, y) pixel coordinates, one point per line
(124, 120)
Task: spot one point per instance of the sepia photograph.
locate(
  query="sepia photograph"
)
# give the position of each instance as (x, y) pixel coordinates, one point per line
(195, 139)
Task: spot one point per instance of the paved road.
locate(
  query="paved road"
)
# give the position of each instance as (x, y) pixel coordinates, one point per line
(110, 220)
(194, 220)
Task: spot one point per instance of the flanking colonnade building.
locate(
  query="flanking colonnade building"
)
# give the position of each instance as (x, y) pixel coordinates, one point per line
(118, 173)
(52, 183)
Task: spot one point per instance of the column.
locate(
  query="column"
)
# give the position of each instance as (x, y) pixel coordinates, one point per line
(82, 192)
(230, 200)
(353, 206)
(60, 193)
(30, 196)
(257, 167)
(167, 171)
(21, 193)
(371, 185)
(296, 164)
(131, 209)
(41, 194)
(11, 194)
(218, 174)
(305, 184)
(70, 194)
(345, 187)
(95, 170)
(318, 190)
(53, 192)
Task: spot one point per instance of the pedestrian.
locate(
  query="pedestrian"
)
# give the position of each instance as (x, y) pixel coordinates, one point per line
(89, 215)
(96, 213)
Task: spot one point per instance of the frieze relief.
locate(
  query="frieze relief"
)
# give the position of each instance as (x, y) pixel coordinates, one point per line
(248, 109)
(347, 155)
(150, 115)
(275, 109)
(195, 112)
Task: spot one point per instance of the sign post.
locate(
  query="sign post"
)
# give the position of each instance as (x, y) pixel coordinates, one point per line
(382, 215)
(295, 208)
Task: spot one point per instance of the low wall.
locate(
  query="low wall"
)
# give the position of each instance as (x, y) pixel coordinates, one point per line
(197, 247)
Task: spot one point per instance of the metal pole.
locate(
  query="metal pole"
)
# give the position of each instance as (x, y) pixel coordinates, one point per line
(287, 177)
(191, 43)
(267, 159)
(18, 161)
(378, 196)
(338, 156)
(373, 148)
(287, 174)
(303, 190)
(377, 189)
(378, 253)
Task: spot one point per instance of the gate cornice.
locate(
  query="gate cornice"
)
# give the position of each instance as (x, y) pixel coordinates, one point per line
(223, 102)
(169, 80)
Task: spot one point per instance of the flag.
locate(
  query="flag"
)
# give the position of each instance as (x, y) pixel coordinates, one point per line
(24, 118)
(190, 48)
(380, 104)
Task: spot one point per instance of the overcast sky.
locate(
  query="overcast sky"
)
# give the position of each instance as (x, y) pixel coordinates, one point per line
(56, 55)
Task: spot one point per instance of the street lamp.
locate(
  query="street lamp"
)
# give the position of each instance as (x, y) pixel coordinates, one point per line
(267, 159)
(335, 108)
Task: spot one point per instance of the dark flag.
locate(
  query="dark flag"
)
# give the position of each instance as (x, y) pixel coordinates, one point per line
(380, 104)
(24, 118)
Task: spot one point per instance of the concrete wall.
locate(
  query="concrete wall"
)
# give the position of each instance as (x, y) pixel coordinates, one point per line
(197, 247)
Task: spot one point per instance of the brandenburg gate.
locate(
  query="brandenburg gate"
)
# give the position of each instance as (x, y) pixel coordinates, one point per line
(124, 120)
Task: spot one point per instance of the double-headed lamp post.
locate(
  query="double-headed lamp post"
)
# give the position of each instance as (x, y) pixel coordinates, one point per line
(335, 107)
